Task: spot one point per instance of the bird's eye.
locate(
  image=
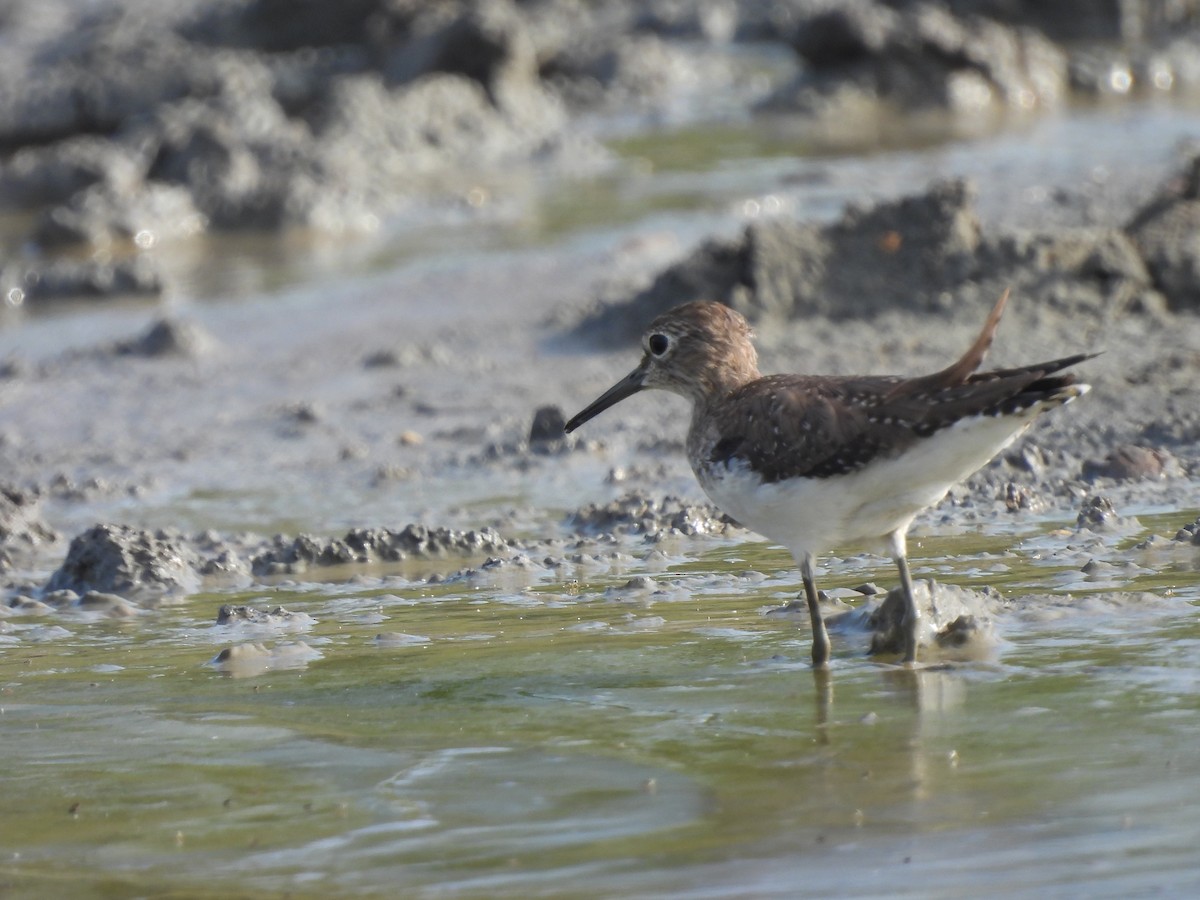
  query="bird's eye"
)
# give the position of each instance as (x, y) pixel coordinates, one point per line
(658, 344)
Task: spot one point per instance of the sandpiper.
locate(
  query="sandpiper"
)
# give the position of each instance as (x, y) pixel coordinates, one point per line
(815, 462)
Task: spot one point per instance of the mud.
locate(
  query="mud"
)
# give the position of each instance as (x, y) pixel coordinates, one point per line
(127, 127)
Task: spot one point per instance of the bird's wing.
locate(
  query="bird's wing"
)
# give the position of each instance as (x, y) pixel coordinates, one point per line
(786, 426)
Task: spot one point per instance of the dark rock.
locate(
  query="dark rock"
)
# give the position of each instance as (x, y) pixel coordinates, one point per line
(548, 424)
(127, 561)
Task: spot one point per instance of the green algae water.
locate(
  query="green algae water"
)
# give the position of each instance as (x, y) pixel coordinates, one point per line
(575, 736)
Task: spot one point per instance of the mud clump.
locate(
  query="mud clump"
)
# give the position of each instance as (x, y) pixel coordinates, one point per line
(1130, 462)
(271, 619)
(22, 530)
(927, 252)
(1165, 230)
(920, 57)
(1189, 533)
(359, 546)
(117, 559)
(1099, 515)
(246, 660)
(957, 623)
(166, 338)
(638, 513)
(73, 278)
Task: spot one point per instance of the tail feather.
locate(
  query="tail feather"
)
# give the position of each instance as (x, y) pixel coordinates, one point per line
(961, 370)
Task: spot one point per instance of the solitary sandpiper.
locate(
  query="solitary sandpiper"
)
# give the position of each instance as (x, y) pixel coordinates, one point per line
(815, 462)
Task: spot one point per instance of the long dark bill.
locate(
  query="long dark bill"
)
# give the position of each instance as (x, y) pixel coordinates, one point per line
(626, 387)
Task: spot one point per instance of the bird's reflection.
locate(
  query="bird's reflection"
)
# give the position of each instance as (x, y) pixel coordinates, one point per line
(906, 759)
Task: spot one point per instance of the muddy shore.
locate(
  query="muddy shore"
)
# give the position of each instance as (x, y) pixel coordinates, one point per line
(152, 448)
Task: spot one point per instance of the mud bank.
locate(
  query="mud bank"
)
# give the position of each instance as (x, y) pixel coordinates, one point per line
(128, 127)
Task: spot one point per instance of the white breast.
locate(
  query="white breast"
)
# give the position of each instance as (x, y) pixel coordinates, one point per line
(814, 515)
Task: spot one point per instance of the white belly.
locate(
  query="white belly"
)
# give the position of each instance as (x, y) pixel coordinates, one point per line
(813, 515)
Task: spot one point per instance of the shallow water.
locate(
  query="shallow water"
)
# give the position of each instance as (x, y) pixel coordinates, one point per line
(568, 735)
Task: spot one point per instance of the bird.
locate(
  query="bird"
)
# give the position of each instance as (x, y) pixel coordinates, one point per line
(818, 462)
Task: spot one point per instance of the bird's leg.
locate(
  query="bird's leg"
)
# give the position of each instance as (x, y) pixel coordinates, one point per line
(820, 637)
(912, 615)
(823, 684)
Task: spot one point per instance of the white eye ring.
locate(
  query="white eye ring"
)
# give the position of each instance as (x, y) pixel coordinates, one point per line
(658, 344)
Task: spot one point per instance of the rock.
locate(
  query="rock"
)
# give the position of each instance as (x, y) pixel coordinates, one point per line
(548, 424)
(127, 561)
